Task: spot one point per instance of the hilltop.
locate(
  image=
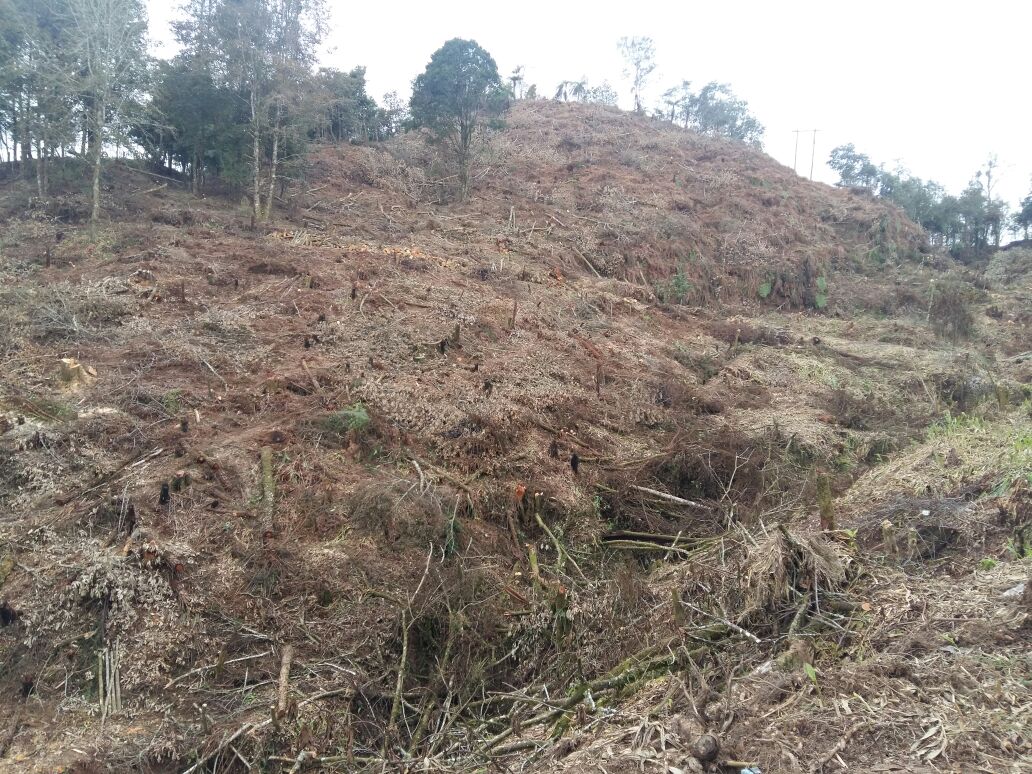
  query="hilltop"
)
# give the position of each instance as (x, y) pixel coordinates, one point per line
(529, 480)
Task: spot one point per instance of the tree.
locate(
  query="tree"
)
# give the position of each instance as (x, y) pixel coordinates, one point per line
(394, 114)
(854, 169)
(717, 112)
(996, 209)
(516, 82)
(346, 112)
(603, 94)
(676, 100)
(571, 90)
(582, 91)
(110, 51)
(640, 54)
(1022, 219)
(257, 56)
(457, 94)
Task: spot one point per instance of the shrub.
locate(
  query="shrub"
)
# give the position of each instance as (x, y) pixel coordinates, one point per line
(676, 289)
(353, 419)
(949, 310)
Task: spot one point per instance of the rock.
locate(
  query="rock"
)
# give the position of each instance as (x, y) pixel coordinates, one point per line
(705, 748)
(1014, 593)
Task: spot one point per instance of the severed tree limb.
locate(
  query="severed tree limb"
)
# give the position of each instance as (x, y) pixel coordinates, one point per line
(255, 726)
(668, 497)
(284, 680)
(205, 668)
(840, 745)
(559, 546)
(268, 490)
(584, 258)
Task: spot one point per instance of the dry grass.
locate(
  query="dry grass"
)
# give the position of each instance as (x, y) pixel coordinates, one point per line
(515, 405)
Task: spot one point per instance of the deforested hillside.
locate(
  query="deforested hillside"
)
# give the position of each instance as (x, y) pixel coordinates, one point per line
(648, 456)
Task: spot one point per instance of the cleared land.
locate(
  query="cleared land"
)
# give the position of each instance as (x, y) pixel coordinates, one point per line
(529, 483)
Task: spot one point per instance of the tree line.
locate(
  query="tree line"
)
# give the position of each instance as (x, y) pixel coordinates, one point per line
(239, 103)
(713, 109)
(968, 224)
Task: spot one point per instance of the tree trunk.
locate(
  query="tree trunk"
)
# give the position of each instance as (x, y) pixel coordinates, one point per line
(26, 137)
(272, 169)
(96, 147)
(257, 196)
(39, 169)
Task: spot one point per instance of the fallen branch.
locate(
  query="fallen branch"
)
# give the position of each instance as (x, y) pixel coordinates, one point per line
(668, 497)
(559, 546)
(633, 671)
(840, 745)
(249, 727)
(585, 259)
(268, 489)
(284, 680)
(205, 668)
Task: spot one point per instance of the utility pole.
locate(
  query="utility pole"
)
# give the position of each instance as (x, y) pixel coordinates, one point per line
(795, 157)
(813, 153)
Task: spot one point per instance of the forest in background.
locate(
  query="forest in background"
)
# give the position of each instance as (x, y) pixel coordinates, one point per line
(236, 108)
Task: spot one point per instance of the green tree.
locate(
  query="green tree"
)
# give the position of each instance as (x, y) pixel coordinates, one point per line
(603, 94)
(855, 169)
(454, 98)
(516, 81)
(640, 56)
(675, 103)
(571, 90)
(1022, 219)
(716, 111)
(582, 91)
(347, 111)
(254, 57)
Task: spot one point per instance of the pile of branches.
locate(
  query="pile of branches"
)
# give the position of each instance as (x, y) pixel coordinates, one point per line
(735, 599)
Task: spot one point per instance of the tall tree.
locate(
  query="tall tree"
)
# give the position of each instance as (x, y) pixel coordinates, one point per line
(516, 82)
(264, 50)
(112, 67)
(571, 90)
(347, 111)
(640, 56)
(1022, 219)
(716, 111)
(855, 169)
(455, 97)
(675, 103)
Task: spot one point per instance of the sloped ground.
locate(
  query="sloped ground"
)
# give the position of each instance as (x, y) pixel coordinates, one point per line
(394, 479)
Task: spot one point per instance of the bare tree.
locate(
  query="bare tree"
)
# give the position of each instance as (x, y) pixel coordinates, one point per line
(108, 36)
(640, 55)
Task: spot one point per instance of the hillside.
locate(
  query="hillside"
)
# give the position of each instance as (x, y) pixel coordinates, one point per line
(531, 481)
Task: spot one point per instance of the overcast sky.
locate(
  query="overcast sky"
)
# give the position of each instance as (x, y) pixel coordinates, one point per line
(935, 86)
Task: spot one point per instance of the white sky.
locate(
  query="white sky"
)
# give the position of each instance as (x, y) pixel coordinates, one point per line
(936, 86)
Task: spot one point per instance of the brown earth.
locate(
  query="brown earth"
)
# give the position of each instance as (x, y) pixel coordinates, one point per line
(542, 471)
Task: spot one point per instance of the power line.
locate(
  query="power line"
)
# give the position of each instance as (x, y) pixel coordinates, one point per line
(813, 153)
